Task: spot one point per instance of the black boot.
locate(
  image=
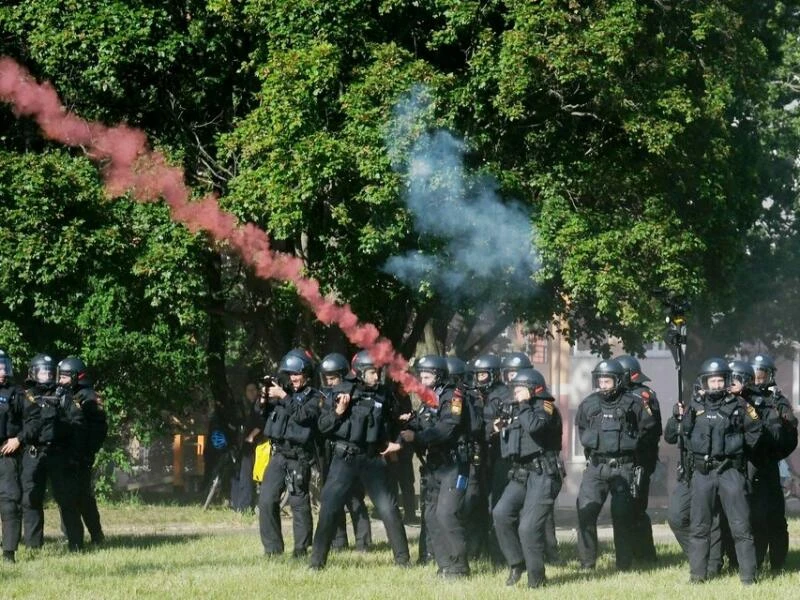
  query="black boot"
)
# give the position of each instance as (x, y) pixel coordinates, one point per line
(514, 574)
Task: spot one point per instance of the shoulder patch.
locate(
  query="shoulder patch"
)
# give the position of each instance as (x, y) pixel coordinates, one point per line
(751, 412)
(646, 406)
(456, 404)
(548, 407)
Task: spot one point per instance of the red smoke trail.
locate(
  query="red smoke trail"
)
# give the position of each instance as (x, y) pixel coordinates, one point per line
(129, 166)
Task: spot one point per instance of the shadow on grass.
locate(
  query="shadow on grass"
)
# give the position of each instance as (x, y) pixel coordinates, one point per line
(139, 542)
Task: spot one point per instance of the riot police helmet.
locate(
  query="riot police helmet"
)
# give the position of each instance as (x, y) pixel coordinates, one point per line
(42, 369)
(534, 381)
(74, 368)
(714, 369)
(456, 369)
(766, 364)
(608, 369)
(633, 370)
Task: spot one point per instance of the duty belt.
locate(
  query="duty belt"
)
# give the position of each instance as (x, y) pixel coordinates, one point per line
(611, 461)
(706, 464)
(347, 450)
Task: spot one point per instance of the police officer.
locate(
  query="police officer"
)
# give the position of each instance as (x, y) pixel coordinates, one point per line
(476, 509)
(768, 507)
(11, 436)
(71, 375)
(612, 425)
(55, 434)
(512, 363)
(530, 437)
(357, 421)
(291, 416)
(495, 398)
(441, 431)
(719, 429)
(644, 548)
(333, 369)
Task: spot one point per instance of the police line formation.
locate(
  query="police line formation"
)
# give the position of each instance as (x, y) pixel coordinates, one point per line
(489, 453)
(489, 450)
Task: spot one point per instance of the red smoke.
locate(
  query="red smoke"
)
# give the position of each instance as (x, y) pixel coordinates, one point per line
(129, 166)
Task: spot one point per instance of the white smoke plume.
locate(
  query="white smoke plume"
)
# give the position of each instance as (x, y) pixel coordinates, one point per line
(476, 245)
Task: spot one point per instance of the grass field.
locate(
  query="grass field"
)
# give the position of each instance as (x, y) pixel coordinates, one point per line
(183, 552)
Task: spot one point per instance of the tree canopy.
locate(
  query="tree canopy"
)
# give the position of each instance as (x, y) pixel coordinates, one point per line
(648, 143)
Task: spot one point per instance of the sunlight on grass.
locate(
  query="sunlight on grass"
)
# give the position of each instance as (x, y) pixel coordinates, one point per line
(184, 552)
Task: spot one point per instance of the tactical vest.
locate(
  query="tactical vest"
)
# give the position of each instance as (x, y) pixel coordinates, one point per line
(613, 428)
(516, 444)
(281, 425)
(9, 426)
(54, 408)
(717, 431)
(364, 423)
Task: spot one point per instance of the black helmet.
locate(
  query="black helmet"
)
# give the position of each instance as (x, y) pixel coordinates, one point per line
(433, 364)
(741, 371)
(5, 362)
(609, 368)
(44, 366)
(297, 361)
(361, 362)
(74, 368)
(486, 363)
(714, 367)
(534, 381)
(334, 364)
(456, 369)
(514, 361)
(764, 362)
(633, 370)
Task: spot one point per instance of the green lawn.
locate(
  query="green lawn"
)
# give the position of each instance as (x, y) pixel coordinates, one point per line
(183, 552)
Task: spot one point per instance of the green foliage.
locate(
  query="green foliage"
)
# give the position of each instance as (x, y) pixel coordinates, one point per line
(641, 136)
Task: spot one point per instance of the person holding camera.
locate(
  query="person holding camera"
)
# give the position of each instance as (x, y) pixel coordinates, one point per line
(357, 421)
(530, 439)
(291, 422)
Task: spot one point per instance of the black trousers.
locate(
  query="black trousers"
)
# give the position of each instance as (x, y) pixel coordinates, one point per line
(476, 511)
(280, 469)
(768, 517)
(644, 548)
(371, 472)
(597, 482)
(11, 501)
(37, 468)
(87, 503)
(496, 481)
(242, 485)
(520, 520)
(680, 522)
(711, 493)
(401, 479)
(359, 515)
(444, 519)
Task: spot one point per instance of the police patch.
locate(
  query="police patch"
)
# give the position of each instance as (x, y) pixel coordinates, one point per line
(455, 405)
(548, 407)
(751, 412)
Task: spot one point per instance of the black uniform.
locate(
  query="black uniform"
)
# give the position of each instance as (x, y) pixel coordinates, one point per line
(767, 504)
(718, 433)
(611, 432)
(442, 434)
(55, 441)
(290, 427)
(358, 435)
(495, 399)
(11, 426)
(355, 502)
(95, 430)
(643, 546)
(531, 442)
(476, 500)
